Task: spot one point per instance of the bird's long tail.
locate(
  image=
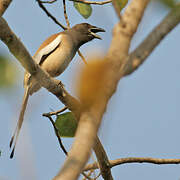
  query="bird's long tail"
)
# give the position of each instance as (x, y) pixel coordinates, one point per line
(20, 121)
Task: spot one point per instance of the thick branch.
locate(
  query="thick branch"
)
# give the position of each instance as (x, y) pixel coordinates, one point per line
(65, 14)
(4, 5)
(135, 160)
(98, 147)
(123, 32)
(139, 55)
(91, 118)
(93, 2)
(20, 52)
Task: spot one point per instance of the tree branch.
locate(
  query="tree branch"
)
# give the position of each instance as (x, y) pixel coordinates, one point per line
(65, 14)
(56, 132)
(103, 160)
(121, 161)
(20, 52)
(139, 55)
(23, 56)
(91, 118)
(4, 5)
(92, 2)
(56, 112)
(98, 148)
(40, 3)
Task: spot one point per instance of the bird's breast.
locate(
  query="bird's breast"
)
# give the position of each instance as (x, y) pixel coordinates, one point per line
(57, 62)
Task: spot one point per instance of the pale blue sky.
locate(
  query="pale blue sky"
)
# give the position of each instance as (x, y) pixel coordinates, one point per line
(142, 118)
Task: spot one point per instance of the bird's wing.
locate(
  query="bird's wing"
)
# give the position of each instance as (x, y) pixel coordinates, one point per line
(49, 46)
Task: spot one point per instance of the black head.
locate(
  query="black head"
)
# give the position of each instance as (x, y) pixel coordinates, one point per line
(86, 32)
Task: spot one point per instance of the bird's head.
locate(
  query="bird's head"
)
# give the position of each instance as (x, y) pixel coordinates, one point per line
(86, 32)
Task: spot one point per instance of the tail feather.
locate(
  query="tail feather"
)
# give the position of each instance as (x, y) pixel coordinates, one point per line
(20, 121)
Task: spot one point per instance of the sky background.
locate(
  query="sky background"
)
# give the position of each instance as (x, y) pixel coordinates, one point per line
(142, 118)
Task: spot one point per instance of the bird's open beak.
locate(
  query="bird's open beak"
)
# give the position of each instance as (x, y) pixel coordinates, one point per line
(95, 30)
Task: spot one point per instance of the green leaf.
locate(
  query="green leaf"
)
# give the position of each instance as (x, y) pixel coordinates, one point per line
(84, 9)
(66, 124)
(7, 72)
(121, 3)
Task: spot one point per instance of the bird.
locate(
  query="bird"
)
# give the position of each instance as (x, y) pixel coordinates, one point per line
(54, 56)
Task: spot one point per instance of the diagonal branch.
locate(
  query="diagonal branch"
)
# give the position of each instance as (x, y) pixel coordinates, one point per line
(121, 161)
(103, 161)
(49, 14)
(91, 118)
(98, 148)
(20, 52)
(139, 55)
(65, 14)
(56, 132)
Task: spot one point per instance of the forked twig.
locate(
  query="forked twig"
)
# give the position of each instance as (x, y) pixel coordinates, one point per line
(65, 14)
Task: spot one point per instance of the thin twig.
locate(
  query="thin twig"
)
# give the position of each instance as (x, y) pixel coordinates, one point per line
(92, 2)
(86, 176)
(68, 25)
(56, 112)
(48, 2)
(91, 119)
(82, 57)
(65, 14)
(121, 161)
(57, 134)
(50, 15)
(48, 115)
(97, 176)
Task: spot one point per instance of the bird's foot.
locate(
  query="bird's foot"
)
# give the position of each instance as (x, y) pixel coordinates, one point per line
(59, 83)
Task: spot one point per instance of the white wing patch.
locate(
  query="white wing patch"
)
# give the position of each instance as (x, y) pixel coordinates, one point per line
(47, 49)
